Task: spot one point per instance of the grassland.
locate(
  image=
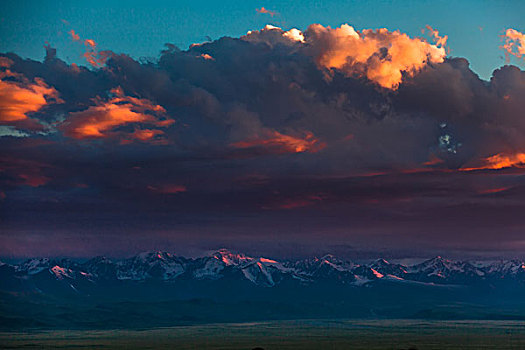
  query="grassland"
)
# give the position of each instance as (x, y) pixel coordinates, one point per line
(297, 334)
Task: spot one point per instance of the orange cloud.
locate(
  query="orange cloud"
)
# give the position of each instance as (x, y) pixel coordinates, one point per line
(494, 190)
(101, 120)
(500, 161)
(514, 43)
(380, 55)
(74, 35)
(433, 161)
(438, 39)
(146, 134)
(96, 59)
(19, 97)
(266, 11)
(282, 143)
(207, 57)
(90, 43)
(92, 55)
(5, 62)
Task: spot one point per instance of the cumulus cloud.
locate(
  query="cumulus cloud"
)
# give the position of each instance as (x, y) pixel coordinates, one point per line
(380, 55)
(294, 34)
(267, 92)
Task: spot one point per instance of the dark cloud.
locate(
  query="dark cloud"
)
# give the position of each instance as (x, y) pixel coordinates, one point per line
(264, 134)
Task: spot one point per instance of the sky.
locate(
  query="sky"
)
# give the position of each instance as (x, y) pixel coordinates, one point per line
(284, 129)
(141, 29)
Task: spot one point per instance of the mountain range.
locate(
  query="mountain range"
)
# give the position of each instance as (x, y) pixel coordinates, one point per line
(226, 286)
(263, 272)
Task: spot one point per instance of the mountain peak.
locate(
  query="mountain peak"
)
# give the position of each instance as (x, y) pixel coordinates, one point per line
(229, 258)
(436, 260)
(380, 262)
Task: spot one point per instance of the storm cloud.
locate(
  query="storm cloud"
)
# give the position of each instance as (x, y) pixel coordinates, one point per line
(327, 135)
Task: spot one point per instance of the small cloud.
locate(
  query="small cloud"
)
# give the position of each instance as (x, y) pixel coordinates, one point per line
(91, 55)
(74, 35)
(264, 10)
(7, 130)
(275, 142)
(207, 57)
(438, 39)
(514, 44)
(294, 34)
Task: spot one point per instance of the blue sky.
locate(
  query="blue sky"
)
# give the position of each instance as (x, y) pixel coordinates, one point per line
(141, 28)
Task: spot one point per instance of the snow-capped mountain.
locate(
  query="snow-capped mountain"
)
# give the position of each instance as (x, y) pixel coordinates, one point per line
(439, 269)
(151, 265)
(227, 286)
(224, 265)
(507, 269)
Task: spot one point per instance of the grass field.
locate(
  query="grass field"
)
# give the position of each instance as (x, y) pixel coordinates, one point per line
(303, 334)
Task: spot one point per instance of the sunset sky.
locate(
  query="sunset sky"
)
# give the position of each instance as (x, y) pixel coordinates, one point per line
(392, 128)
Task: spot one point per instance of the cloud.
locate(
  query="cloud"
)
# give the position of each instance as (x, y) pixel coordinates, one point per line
(438, 39)
(275, 142)
(380, 55)
(19, 97)
(514, 43)
(273, 35)
(206, 56)
(309, 131)
(102, 119)
(21, 172)
(5, 62)
(266, 11)
(74, 36)
(92, 55)
(16, 101)
(294, 34)
(500, 161)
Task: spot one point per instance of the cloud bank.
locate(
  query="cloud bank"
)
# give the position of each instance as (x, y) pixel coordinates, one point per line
(327, 132)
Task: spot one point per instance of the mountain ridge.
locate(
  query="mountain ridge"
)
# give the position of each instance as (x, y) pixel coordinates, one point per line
(156, 288)
(263, 271)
